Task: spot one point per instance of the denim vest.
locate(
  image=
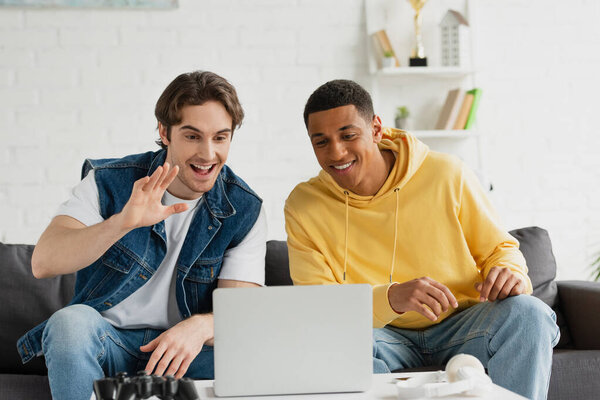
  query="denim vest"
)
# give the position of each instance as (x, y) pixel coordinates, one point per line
(224, 217)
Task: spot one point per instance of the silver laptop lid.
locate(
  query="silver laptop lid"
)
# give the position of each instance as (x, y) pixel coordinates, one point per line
(293, 339)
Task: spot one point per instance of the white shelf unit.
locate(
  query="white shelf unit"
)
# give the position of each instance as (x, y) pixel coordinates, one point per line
(422, 89)
(445, 134)
(434, 72)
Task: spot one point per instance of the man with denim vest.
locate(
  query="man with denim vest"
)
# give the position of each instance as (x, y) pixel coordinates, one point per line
(151, 236)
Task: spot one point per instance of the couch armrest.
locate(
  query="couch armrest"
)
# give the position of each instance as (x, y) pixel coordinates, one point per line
(580, 302)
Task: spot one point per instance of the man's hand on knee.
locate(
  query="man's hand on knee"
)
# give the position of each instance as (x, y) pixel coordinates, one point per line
(423, 295)
(175, 349)
(500, 284)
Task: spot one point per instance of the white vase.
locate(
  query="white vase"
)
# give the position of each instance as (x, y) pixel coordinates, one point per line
(388, 62)
(402, 123)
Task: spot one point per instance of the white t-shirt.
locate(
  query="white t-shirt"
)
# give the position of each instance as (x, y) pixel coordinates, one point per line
(154, 304)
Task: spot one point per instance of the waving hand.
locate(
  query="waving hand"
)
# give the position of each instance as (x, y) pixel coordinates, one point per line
(144, 207)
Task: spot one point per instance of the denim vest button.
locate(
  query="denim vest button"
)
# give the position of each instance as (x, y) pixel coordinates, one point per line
(210, 227)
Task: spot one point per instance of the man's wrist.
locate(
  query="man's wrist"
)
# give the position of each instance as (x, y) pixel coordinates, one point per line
(391, 291)
(118, 224)
(205, 321)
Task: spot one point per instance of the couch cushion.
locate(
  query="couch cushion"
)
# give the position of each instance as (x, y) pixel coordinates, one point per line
(26, 302)
(277, 270)
(24, 387)
(575, 375)
(536, 247)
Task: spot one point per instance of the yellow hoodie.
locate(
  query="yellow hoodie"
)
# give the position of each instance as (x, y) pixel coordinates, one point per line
(430, 218)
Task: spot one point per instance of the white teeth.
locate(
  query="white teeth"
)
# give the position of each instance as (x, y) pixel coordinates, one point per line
(202, 166)
(342, 166)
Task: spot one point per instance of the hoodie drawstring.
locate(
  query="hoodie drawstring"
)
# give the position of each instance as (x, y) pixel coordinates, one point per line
(346, 237)
(397, 191)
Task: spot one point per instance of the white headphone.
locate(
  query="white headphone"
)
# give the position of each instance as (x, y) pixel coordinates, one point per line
(464, 374)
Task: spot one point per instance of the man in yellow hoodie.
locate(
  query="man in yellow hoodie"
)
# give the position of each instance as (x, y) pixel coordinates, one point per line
(417, 226)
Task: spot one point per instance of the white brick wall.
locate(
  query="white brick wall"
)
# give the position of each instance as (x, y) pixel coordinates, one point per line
(83, 83)
(539, 61)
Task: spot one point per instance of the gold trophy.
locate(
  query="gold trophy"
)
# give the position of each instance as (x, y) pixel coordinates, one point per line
(417, 54)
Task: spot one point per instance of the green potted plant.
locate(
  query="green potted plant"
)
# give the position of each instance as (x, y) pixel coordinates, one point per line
(389, 61)
(596, 267)
(402, 115)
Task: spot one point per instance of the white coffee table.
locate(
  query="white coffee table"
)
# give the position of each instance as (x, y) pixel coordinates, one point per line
(383, 388)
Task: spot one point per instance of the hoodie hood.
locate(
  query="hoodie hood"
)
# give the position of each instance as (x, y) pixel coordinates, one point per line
(410, 153)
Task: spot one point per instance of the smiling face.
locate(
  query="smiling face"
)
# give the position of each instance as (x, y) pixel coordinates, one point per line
(345, 145)
(199, 145)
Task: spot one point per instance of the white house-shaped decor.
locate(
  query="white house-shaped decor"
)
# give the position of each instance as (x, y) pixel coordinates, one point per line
(454, 30)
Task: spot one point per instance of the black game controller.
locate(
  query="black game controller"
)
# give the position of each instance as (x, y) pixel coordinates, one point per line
(143, 386)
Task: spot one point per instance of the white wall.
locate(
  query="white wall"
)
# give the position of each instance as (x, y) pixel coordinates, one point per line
(540, 63)
(83, 83)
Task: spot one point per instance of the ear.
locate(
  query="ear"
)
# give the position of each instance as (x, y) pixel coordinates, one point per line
(377, 129)
(162, 131)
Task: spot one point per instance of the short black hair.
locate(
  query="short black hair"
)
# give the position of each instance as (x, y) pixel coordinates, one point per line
(338, 93)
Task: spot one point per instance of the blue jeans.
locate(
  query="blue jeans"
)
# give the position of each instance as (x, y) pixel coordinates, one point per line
(80, 346)
(513, 338)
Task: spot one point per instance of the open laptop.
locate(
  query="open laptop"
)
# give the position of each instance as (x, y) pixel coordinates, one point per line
(293, 340)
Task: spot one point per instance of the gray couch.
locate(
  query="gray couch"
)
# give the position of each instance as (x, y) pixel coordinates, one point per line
(27, 301)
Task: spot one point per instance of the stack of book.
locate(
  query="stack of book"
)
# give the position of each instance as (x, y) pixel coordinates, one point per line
(459, 110)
